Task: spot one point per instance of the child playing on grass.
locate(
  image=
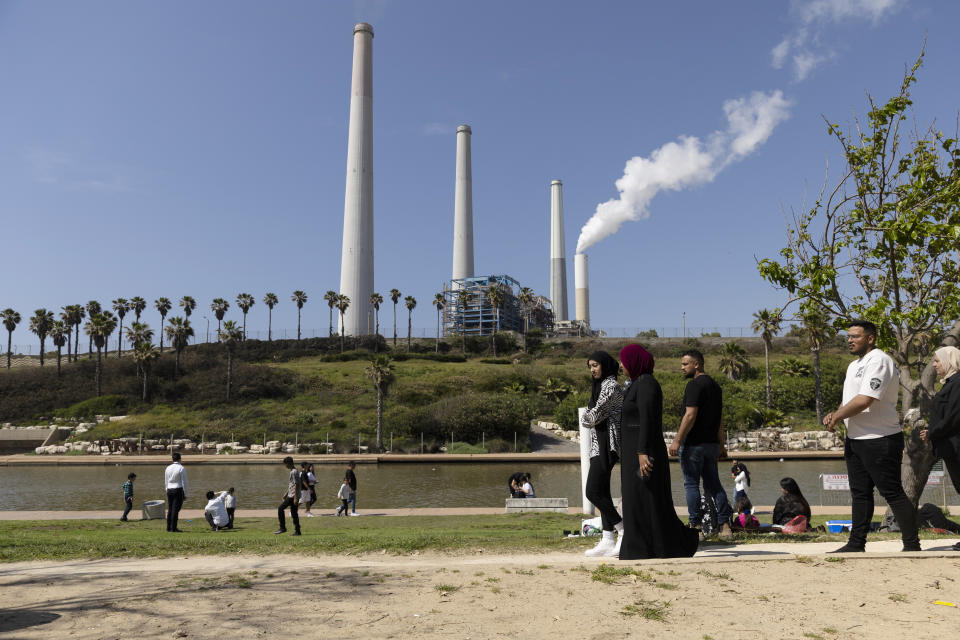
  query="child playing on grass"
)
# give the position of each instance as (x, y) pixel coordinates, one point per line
(344, 495)
(744, 518)
(230, 502)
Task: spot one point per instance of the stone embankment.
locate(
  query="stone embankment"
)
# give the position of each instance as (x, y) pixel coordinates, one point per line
(773, 439)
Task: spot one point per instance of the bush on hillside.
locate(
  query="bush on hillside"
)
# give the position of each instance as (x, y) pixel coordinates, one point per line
(567, 412)
(467, 416)
(112, 405)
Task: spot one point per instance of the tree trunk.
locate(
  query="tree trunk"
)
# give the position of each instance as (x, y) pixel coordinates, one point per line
(341, 332)
(818, 384)
(376, 341)
(394, 325)
(59, 354)
(379, 418)
(43, 339)
(76, 344)
(270, 325)
(298, 324)
(99, 373)
(176, 365)
(244, 330)
(766, 358)
(9, 346)
(120, 340)
(437, 350)
(409, 327)
(229, 371)
(331, 323)
(89, 351)
(69, 340)
(146, 377)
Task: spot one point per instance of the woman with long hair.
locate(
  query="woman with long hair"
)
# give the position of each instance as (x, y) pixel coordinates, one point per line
(652, 528)
(943, 429)
(791, 503)
(603, 418)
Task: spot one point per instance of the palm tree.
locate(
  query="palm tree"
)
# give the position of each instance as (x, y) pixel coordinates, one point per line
(67, 318)
(106, 344)
(219, 307)
(331, 298)
(179, 331)
(137, 305)
(245, 301)
(411, 304)
(60, 335)
(139, 333)
(188, 304)
(10, 321)
(40, 324)
(98, 327)
(144, 354)
(300, 298)
(77, 314)
(438, 301)
(733, 360)
(375, 301)
(495, 296)
(93, 308)
(271, 300)
(395, 295)
(343, 302)
(816, 324)
(526, 299)
(767, 324)
(163, 305)
(230, 336)
(380, 373)
(463, 301)
(120, 305)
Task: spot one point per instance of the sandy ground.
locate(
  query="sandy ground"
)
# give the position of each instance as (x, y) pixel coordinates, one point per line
(747, 591)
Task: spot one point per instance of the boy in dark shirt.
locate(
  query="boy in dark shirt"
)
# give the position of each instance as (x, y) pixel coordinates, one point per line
(128, 495)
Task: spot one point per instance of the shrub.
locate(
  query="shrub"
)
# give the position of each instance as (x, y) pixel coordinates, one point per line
(111, 405)
(649, 333)
(567, 412)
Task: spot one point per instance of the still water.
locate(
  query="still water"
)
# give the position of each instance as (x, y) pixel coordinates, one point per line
(383, 486)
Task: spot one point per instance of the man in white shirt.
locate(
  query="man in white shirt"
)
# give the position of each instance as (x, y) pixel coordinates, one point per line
(216, 511)
(175, 482)
(873, 448)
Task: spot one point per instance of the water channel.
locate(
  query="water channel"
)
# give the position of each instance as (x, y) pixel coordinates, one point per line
(381, 486)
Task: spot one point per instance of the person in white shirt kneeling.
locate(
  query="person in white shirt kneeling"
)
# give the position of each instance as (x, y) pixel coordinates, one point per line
(216, 511)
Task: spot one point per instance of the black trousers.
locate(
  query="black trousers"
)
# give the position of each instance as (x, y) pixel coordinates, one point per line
(230, 511)
(876, 463)
(598, 489)
(174, 502)
(288, 502)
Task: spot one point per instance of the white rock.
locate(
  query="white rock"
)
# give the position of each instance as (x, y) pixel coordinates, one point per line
(40, 451)
(117, 418)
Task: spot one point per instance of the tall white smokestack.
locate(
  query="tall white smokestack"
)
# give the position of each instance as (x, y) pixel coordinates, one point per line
(356, 263)
(463, 208)
(581, 285)
(558, 262)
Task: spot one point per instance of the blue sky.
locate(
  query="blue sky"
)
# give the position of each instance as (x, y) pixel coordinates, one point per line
(185, 148)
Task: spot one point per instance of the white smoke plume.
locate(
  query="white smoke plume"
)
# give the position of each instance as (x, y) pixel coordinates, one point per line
(688, 162)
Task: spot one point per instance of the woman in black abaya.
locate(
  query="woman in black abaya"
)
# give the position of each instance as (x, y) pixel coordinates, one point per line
(651, 526)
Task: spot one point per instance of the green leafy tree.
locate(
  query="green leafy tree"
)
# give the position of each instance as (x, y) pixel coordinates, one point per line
(145, 354)
(411, 303)
(380, 372)
(245, 301)
(733, 360)
(495, 295)
(343, 303)
(881, 244)
(59, 335)
(793, 368)
(767, 324)
(120, 306)
(331, 297)
(300, 298)
(230, 336)
(271, 300)
(179, 331)
(98, 327)
(40, 324)
(163, 306)
(439, 302)
(10, 320)
(375, 301)
(395, 295)
(219, 306)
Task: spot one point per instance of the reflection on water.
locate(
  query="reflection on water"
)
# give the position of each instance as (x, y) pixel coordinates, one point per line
(382, 486)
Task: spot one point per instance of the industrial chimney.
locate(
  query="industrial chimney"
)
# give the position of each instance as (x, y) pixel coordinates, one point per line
(581, 285)
(463, 208)
(558, 263)
(356, 261)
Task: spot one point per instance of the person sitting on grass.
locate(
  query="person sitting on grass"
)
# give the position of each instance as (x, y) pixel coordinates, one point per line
(744, 519)
(216, 511)
(791, 504)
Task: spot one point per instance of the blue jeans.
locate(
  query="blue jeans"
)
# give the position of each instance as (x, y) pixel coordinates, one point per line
(128, 505)
(353, 501)
(696, 462)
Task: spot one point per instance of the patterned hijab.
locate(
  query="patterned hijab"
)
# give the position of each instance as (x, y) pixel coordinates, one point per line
(636, 360)
(608, 367)
(949, 357)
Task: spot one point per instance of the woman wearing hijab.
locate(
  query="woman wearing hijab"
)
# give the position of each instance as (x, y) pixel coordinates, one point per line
(603, 417)
(943, 429)
(651, 526)
(791, 503)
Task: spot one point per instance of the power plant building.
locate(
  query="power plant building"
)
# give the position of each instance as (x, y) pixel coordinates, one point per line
(468, 310)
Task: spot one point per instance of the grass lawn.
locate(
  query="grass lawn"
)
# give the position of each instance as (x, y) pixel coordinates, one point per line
(71, 539)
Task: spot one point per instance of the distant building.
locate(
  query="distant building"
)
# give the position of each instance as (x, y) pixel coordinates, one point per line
(468, 310)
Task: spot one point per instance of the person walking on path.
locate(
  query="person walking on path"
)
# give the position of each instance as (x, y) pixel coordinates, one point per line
(128, 496)
(344, 496)
(651, 526)
(603, 419)
(175, 482)
(943, 429)
(698, 441)
(352, 481)
(873, 448)
(291, 499)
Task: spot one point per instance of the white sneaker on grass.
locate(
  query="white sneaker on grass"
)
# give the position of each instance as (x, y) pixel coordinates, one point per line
(604, 548)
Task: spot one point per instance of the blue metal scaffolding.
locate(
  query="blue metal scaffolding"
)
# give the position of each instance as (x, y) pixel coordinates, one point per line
(468, 310)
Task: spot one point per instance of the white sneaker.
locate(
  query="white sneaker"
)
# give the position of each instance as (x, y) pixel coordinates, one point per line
(309, 515)
(616, 548)
(604, 548)
(354, 513)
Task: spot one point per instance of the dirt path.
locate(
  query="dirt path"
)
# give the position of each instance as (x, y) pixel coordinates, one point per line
(751, 591)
